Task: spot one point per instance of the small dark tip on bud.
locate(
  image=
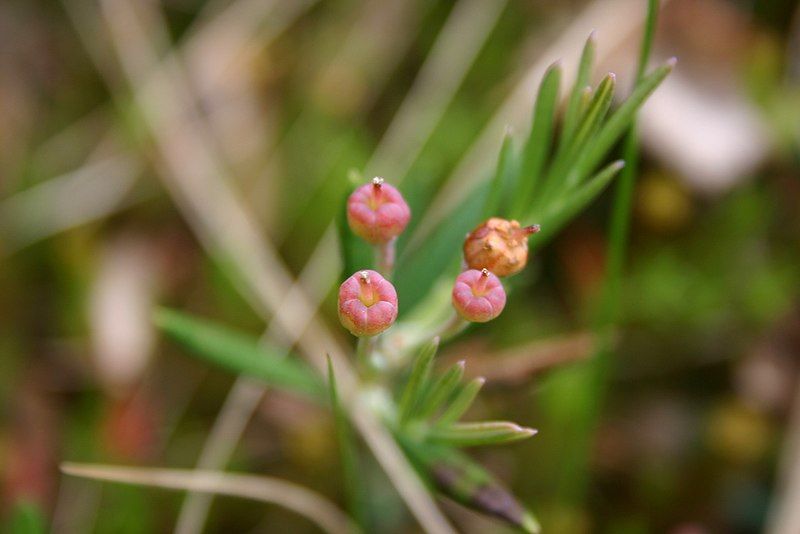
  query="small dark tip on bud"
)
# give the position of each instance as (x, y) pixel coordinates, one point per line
(377, 181)
(364, 277)
(484, 272)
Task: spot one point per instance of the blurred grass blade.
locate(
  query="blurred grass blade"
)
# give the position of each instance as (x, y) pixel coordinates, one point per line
(482, 433)
(573, 111)
(291, 496)
(623, 195)
(537, 147)
(441, 390)
(563, 209)
(457, 476)
(418, 381)
(26, 517)
(240, 353)
(348, 450)
(461, 403)
(498, 188)
(617, 124)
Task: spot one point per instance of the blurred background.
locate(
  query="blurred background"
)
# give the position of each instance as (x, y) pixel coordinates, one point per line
(146, 146)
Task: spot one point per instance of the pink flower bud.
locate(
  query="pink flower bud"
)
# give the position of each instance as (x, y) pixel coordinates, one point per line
(377, 212)
(367, 304)
(478, 296)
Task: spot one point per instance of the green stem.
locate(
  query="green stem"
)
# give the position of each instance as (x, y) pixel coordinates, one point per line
(364, 355)
(452, 327)
(384, 258)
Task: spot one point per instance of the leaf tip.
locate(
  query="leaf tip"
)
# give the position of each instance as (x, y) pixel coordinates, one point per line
(530, 524)
(671, 62)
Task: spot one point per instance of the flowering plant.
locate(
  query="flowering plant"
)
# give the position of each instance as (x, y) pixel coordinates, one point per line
(548, 180)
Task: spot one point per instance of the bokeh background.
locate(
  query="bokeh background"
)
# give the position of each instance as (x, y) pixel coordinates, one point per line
(126, 126)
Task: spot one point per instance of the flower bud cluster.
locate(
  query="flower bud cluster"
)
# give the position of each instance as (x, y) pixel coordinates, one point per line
(377, 213)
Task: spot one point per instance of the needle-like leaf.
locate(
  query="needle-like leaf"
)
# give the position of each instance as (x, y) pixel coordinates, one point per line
(460, 478)
(441, 390)
(461, 403)
(240, 353)
(617, 124)
(538, 144)
(505, 171)
(483, 433)
(563, 209)
(573, 111)
(418, 381)
(557, 178)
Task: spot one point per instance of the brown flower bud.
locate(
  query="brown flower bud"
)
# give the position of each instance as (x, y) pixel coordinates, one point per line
(498, 245)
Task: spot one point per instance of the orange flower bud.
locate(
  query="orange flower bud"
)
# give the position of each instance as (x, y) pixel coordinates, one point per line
(498, 245)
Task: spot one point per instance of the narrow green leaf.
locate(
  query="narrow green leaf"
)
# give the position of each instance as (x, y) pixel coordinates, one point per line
(557, 178)
(240, 353)
(441, 390)
(483, 433)
(460, 478)
(617, 124)
(461, 403)
(354, 489)
(623, 195)
(539, 141)
(418, 381)
(568, 205)
(497, 189)
(595, 113)
(573, 111)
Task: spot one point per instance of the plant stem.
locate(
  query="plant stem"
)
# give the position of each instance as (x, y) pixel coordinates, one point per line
(365, 349)
(384, 258)
(452, 327)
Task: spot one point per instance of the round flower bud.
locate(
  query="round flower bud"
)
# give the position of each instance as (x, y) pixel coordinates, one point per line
(498, 245)
(478, 296)
(377, 212)
(367, 304)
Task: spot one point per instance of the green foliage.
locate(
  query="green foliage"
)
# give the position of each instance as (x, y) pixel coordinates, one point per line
(348, 450)
(539, 141)
(240, 353)
(481, 433)
(457, 476)
(414, 391)
(27, 518)
(461, 402)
